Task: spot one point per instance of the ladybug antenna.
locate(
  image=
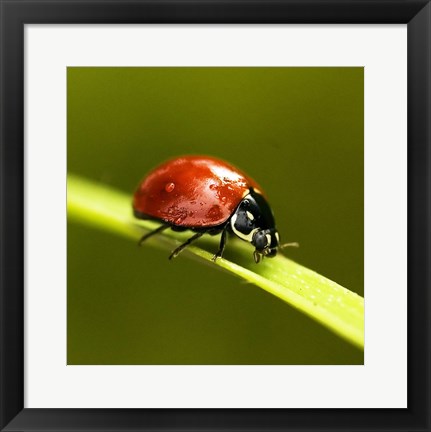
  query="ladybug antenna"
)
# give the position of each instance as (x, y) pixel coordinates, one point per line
(292, 244)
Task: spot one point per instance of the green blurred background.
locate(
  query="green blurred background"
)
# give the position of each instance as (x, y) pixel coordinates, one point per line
(298, 131)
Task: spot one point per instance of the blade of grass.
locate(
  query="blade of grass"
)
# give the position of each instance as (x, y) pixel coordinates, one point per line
(330, 304)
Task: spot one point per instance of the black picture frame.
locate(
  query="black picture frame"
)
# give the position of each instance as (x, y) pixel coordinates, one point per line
(15, 14)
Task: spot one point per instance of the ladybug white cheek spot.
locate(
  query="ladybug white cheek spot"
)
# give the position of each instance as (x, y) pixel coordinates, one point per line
(250, 215)
(247, 237)
(268, 239)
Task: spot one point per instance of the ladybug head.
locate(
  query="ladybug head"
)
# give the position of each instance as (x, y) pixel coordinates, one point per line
(253, 222)
(266, 243)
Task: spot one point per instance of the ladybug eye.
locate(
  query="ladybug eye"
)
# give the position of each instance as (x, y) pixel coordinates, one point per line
(246, 203)
(260, 240)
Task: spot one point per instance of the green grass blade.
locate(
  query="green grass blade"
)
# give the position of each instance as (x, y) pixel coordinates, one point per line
(330, 304)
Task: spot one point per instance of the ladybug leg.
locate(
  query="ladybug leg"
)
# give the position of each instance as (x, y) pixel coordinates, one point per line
(220, 251)
(257, 257)
(150, 234)
(184, 245)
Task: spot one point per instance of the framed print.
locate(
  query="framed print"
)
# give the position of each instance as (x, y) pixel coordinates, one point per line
(147, 145)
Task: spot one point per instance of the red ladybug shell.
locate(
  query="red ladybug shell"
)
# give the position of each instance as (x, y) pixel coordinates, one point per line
(192, 191)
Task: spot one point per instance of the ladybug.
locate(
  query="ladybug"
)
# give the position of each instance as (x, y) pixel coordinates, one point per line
(208, 196)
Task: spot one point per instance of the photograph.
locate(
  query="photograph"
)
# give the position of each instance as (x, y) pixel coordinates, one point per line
(215, 215)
